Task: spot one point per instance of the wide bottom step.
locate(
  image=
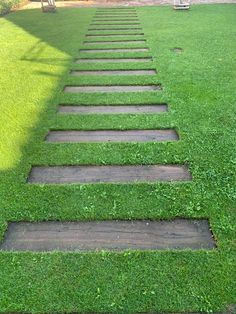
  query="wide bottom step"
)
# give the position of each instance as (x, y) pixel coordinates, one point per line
(109, 235)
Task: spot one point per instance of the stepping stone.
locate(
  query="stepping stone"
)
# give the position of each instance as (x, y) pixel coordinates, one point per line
(113, 72)
(116, 14)
(111, 89)
(112, 136)
(113, 20)
(115, 35)
(116, 18)
(118, 24)
(127, 11)
(115, 50)
(105, 174)
(115, 29)
(115, 9)
(110, 42)
(178, 234)
(131, 109)
(115, 60)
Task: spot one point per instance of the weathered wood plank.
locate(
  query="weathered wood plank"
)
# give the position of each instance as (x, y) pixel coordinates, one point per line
(112, 60)
(130, 109)
(75, 136)
(116, 14)
(112, 174)
(114, 29)
(115, 35)
(109, 235)
(111, 89)
(114, 50)
(112, 72)
(114, 42)
(114, 24)
(115, 19)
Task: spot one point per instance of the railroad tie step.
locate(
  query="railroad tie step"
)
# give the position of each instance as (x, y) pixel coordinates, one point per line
(128, 136)
(106, 174)
(114, 109)
(177, 234)
(111, 89)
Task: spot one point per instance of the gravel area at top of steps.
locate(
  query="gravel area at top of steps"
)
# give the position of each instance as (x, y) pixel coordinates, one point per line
(116, 3)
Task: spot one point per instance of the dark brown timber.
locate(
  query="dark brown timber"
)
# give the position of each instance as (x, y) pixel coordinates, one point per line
(114, 42)
(115, 50)
(112, 136)
(114, 60)
(131, 109)
(109, 235)
(99, 174)
(111, 89)
(113, 72)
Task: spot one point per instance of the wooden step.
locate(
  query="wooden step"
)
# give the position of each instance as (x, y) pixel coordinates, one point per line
(113, 72)
(115, 35)
(114, 42)
(130, 109)
(74, 136)
(111, 235)
(112, 174)
(111, 89)
(115, 29)
(114, 50)
(115, 24)
(112, 60)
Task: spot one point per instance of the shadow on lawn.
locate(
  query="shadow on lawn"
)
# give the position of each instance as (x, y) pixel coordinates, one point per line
(63, 31)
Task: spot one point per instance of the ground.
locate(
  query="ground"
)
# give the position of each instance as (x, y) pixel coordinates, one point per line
(37, 52)
(115, 3)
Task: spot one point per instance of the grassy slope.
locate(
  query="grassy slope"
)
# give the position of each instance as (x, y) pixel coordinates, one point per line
(199, 85)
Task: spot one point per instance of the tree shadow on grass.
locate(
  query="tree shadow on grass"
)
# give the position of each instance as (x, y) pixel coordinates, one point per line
(38, 58)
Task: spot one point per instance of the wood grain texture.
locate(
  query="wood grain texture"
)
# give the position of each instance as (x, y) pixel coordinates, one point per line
(75, 136)
(109, 235)
(130, 109)
(108, 174)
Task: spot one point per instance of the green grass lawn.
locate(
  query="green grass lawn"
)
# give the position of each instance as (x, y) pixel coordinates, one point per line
(36, 54)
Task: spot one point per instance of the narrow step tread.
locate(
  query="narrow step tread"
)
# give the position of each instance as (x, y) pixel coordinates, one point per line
(130, 109)
(74, 136)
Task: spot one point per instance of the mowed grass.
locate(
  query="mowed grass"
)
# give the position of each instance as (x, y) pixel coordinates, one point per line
(37, 52)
